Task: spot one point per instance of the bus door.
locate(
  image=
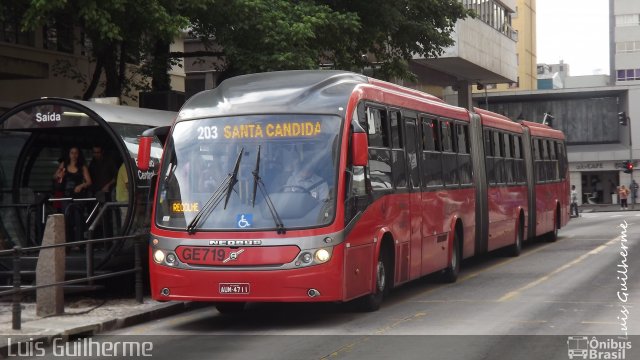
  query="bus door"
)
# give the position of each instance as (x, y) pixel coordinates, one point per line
(415, 194)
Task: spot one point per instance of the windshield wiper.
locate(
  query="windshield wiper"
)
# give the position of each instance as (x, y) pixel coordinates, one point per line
(257, 183)
(225, 188)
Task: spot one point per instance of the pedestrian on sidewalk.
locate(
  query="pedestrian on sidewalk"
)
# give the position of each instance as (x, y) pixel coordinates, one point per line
(623, 192)
(574, 202)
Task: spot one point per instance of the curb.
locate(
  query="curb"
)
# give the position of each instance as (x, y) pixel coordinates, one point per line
(161, 311)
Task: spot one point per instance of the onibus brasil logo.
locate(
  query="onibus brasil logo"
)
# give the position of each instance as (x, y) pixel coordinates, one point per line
(581, 347)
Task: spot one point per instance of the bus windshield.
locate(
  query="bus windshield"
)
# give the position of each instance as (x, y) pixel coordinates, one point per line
(296, 169)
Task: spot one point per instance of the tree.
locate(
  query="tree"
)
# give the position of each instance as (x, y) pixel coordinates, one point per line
(269, 35)
(395, 31)
(253, 35)
(265, 35)
(120, 32)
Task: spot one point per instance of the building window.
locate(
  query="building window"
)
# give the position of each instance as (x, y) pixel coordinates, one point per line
(10, 33)
(628, 47)
(58, 36)
(628, 20)
(627, 74)
(493, 13)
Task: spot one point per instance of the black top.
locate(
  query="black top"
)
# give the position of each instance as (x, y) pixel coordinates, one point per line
(70, 181)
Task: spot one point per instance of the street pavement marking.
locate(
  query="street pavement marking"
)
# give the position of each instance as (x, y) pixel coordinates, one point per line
(512, 294)
(474, 274)
(531, 321)
(415, 316)
(600, 322)
(505, 262)
(346, 348)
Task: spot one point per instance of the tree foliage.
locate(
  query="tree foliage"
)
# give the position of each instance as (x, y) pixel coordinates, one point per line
(264, 35)
(269, 35)
(254, 35)
(118, 32)
(394, 31)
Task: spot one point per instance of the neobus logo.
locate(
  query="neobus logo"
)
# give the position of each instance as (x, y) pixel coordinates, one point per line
(235, 242)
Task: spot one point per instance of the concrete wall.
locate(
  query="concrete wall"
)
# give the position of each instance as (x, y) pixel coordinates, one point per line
(482, 45)
(582, 120)
(586, 81)
(15, 91)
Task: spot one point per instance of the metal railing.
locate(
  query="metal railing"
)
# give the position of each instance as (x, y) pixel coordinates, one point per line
(17, 288)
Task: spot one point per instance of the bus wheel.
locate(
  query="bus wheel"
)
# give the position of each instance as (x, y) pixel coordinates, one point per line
(553, 235)
(515, 249)
(230, 307)
(373, 301)
(450, 274)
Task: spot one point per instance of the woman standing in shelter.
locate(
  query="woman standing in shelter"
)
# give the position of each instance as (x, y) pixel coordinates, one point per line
(73, 179)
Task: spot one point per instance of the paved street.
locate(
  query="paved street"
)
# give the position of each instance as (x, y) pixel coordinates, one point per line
(566, 288)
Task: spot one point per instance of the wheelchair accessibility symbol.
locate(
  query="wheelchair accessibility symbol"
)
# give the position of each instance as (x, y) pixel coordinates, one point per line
(244, 220)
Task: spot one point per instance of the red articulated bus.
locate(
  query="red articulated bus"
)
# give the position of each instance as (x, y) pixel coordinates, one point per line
(332, 186)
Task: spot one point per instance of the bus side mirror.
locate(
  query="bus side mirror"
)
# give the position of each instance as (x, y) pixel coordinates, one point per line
(144, 152)
(359, 149)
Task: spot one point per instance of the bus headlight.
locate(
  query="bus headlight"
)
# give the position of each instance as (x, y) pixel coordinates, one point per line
(322, 256)
(158, 256)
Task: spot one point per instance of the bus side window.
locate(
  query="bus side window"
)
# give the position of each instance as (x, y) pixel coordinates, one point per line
(398, 163)
(508, 161)
(553, 163)
(498, 161)
(561, 160)
(519, 156)
(489, 152)
(379, 169)
(377, 127)
(449, 158)
(431, 155)
(464, 158)
(396, 133)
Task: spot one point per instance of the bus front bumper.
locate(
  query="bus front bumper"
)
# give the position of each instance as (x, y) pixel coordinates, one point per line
(314, 283)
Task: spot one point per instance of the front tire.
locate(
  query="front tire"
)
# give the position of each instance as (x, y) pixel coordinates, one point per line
(372, 302)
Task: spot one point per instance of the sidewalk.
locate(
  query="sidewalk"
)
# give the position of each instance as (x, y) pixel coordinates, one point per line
(606, 208)
(83, 316)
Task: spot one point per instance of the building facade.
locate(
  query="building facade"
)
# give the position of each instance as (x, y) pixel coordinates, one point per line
(625, 41)
(54, 62)
(484, 52)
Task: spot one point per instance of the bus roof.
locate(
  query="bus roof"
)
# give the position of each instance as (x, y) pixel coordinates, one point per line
(537, 129)
(298, 91)
(498, 121)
